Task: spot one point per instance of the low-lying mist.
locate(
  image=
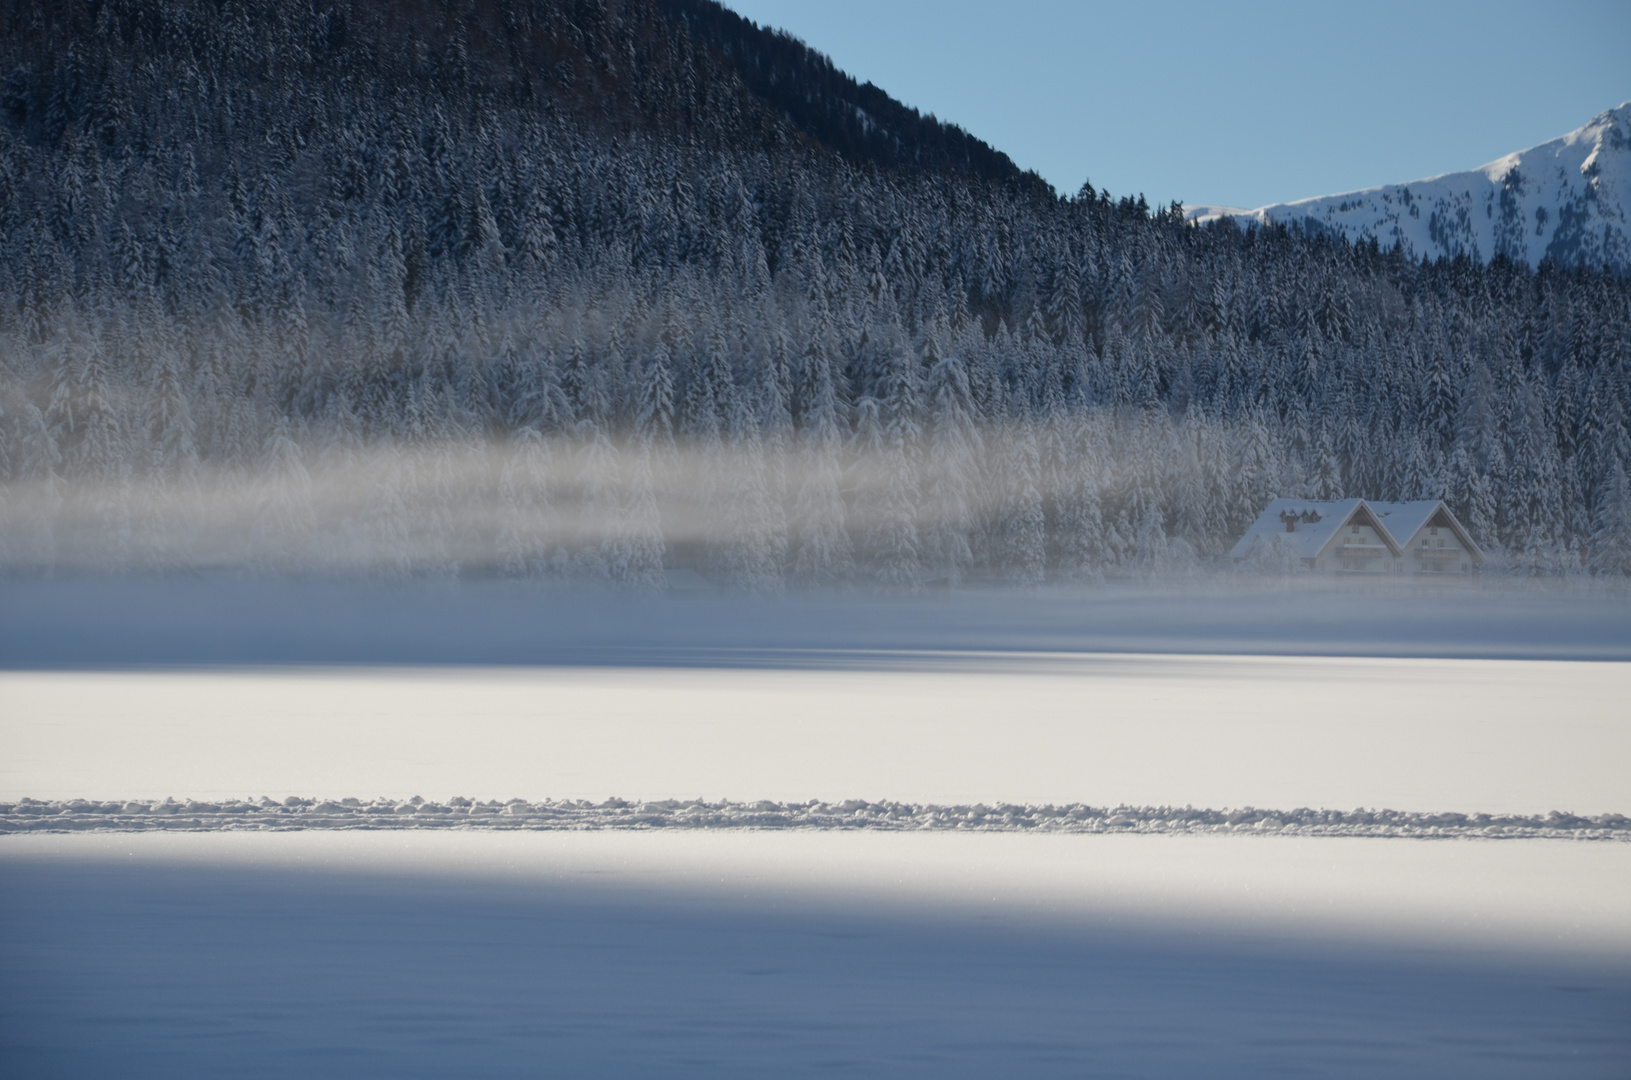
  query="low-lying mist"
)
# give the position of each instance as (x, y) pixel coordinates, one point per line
(583, 507)
(1102, 495)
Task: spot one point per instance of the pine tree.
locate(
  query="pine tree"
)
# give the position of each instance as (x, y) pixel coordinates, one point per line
(1025, 548)
(823, 550)
(637, 560)
(598, 535)
(1610, 549)
(523, 547)
(951, 466)
(284, 517)
(35, 547)
(1082, 546)
(751, 552)
(895, 534)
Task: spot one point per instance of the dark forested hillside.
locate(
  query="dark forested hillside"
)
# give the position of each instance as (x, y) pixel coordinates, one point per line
(860, 121)
(590, 288)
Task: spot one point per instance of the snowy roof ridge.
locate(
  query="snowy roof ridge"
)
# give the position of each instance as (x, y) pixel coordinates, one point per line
(1397, 523)
(1308, 537)
(1405, 519)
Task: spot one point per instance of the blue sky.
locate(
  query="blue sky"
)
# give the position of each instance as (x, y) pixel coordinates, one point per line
(1242, 103)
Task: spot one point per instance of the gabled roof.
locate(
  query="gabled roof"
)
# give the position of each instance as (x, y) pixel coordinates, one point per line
(1404, 520)
(1308, 537)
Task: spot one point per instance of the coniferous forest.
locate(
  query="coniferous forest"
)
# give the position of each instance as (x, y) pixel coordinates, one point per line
(590, 288)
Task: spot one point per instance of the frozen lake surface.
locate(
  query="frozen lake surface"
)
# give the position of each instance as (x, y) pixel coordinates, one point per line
(135, 621)
(1467, 736)
(751, 952)
(741, 953)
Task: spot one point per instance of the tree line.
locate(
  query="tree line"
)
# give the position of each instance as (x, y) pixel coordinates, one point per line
(571, 242)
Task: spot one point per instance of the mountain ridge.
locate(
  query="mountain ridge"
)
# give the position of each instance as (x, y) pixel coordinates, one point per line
(1566, 200)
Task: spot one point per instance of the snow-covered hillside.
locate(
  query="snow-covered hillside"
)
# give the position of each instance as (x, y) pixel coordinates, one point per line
(1568, 199)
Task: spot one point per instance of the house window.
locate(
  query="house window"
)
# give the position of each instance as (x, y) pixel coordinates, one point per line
(1356, 530)
(1433, 529)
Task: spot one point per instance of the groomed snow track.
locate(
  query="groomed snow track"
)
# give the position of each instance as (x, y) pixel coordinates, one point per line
(169, 815)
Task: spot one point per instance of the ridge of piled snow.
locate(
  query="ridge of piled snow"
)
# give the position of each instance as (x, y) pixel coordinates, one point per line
(293, 813)
(1568, 200)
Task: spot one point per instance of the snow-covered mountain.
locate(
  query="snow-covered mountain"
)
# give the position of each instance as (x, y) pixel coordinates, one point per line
(1568, 199)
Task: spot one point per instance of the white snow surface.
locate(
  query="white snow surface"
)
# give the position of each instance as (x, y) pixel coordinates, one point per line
(751, 953)
(1568, 199)
(1202, 213)
(1425, 735)
(941, 837)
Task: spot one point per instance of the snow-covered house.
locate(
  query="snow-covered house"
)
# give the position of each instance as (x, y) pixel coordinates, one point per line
(1353, 537)
(1432, 540)
(1343, 537)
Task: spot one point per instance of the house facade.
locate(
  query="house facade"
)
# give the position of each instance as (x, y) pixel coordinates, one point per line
(1433, 541)
(1356, 538)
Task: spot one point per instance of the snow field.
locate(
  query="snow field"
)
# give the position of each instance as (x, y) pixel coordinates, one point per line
(1542, 898)
(752, 953)
(339, 913)
(1415, 735)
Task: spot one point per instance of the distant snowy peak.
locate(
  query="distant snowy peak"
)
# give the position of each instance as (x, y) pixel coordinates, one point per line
(1568, 200)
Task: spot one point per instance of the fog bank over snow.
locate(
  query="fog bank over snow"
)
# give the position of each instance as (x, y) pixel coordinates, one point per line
(1568, 200)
